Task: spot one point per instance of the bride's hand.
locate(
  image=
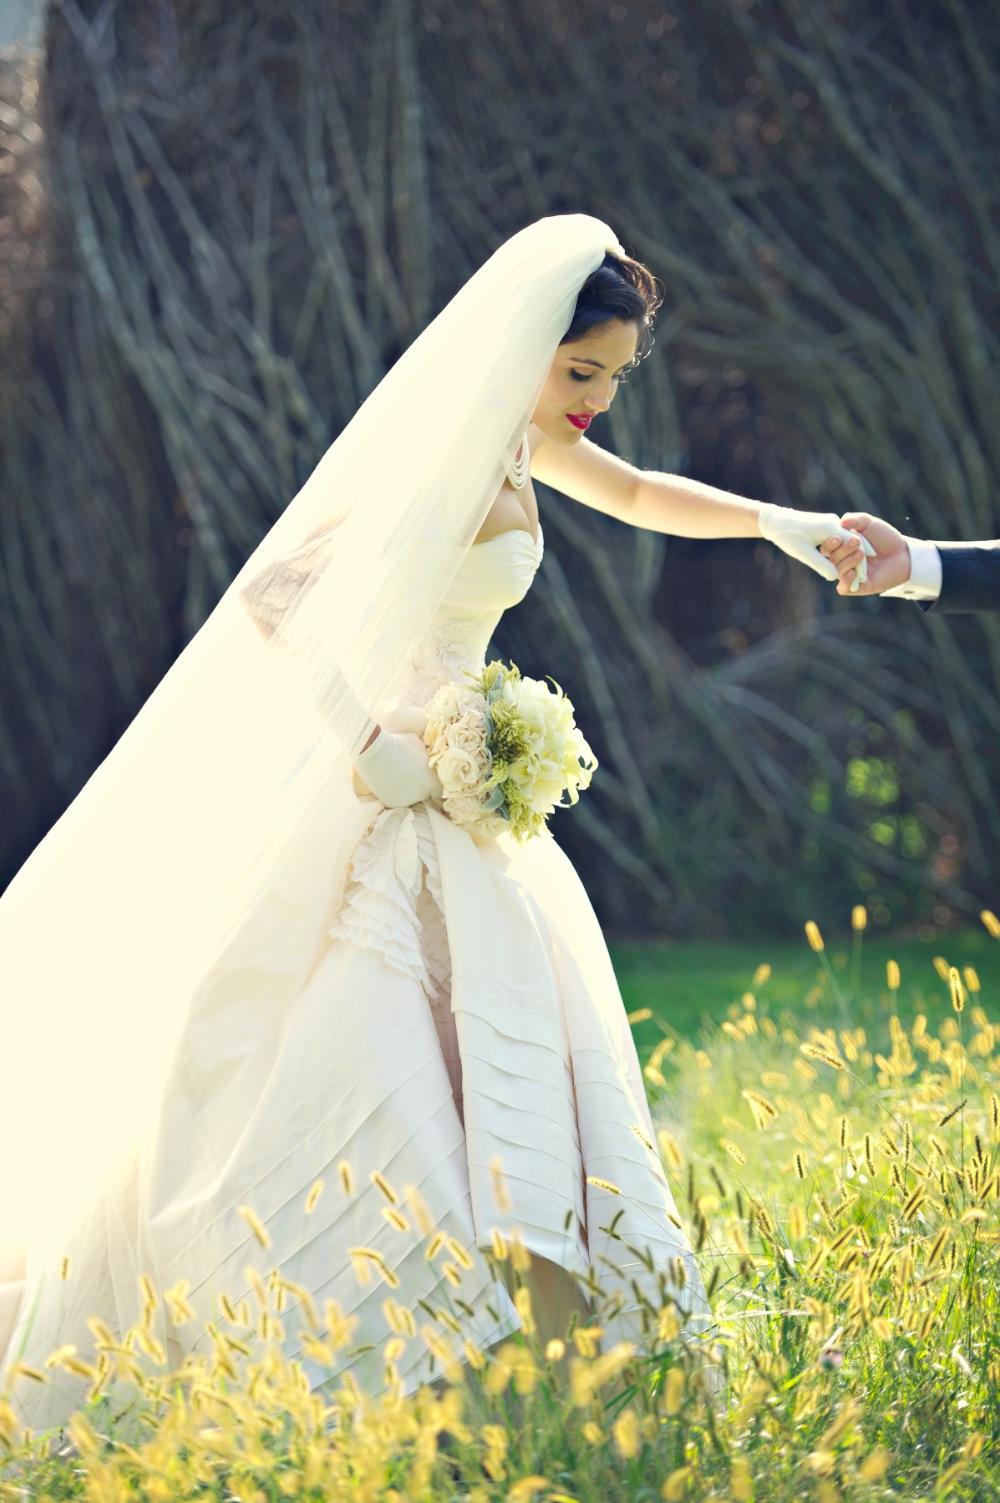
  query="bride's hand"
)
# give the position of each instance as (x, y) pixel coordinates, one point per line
(800, 533)
(396, 769)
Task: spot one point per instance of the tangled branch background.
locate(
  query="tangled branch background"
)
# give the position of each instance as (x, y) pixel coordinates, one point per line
(219, 226)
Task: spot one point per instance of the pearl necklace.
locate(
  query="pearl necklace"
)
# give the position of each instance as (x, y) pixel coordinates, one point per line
(517, 469)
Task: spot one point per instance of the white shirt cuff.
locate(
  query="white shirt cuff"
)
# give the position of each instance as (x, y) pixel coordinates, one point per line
(924, 582)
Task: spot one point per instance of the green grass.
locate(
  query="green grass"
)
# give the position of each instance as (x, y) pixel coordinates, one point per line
(835, 1152)
(689, 985)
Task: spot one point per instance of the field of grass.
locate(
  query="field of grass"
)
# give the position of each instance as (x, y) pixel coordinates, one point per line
(688, 984)
(832, 1132)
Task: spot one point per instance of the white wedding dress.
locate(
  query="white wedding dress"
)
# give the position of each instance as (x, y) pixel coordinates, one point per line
(442, 1003)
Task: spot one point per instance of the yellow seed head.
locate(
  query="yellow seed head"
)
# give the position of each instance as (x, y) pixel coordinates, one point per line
(817, 1051)
(522, 1299)
(642, 1137)
(435, 1245)
(625, 1431)
(500, 1191)
(813, 936)
(520, 1257)
(459, 1253)
(875, 1465)
(670, 1148)
(673, 1391)
(677, 1485)
(992, 923)
(58, 1357)
(256, 1225)
(385, 1187)
(740, 1480)
(859, 917)
(957, 989)
(420, 1210)
(763, 1111)
(83, 1436)
(892, 975)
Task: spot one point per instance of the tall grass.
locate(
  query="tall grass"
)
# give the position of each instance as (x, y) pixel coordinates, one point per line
(841, 1185)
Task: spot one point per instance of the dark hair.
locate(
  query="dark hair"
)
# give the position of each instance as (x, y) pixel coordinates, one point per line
(621, 288)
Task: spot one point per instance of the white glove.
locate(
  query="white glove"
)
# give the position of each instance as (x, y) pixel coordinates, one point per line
(799, 534)
(396, 769)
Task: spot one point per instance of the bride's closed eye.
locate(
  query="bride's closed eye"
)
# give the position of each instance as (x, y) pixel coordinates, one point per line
(622, 378)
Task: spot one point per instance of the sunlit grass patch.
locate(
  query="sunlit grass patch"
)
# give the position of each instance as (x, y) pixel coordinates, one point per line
(836, 1159)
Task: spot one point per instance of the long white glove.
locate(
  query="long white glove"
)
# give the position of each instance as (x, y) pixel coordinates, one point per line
(799, 534)
(395, 768)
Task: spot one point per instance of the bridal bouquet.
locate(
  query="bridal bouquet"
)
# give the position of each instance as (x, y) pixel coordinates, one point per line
(506, 749)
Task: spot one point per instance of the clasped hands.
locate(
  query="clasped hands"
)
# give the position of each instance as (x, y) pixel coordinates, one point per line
(819, 540)
(845, 549)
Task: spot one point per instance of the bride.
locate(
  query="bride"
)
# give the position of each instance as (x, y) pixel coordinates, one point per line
(268, 1007)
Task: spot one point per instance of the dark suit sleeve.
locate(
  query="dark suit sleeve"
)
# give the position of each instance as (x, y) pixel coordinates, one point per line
(970, 577)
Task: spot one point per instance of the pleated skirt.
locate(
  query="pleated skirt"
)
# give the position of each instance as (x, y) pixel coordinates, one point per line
(457, 1065)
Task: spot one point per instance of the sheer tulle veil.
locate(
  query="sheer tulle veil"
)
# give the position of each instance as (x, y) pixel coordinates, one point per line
(238, 766)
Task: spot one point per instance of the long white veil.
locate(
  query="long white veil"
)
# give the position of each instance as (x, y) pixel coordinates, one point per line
(240, 760)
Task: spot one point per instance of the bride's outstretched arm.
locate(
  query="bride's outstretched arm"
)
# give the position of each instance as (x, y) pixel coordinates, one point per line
(661, 502)
(691, 509)
(658, 501)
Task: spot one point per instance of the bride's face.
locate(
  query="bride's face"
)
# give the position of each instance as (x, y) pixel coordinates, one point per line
(583, 380)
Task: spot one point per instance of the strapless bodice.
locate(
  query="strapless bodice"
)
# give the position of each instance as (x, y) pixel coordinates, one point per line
(493, 576)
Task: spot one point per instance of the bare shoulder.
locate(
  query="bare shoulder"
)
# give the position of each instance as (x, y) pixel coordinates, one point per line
(585, 472)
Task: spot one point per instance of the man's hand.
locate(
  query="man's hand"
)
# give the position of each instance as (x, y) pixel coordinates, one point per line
(889, 567)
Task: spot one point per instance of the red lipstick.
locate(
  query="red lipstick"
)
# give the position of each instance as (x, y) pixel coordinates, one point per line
(579, 419)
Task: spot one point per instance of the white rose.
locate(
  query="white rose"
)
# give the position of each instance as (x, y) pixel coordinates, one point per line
(443, 704)
(463, 810)
(468, 732)
(458, 771)
(451, 701)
